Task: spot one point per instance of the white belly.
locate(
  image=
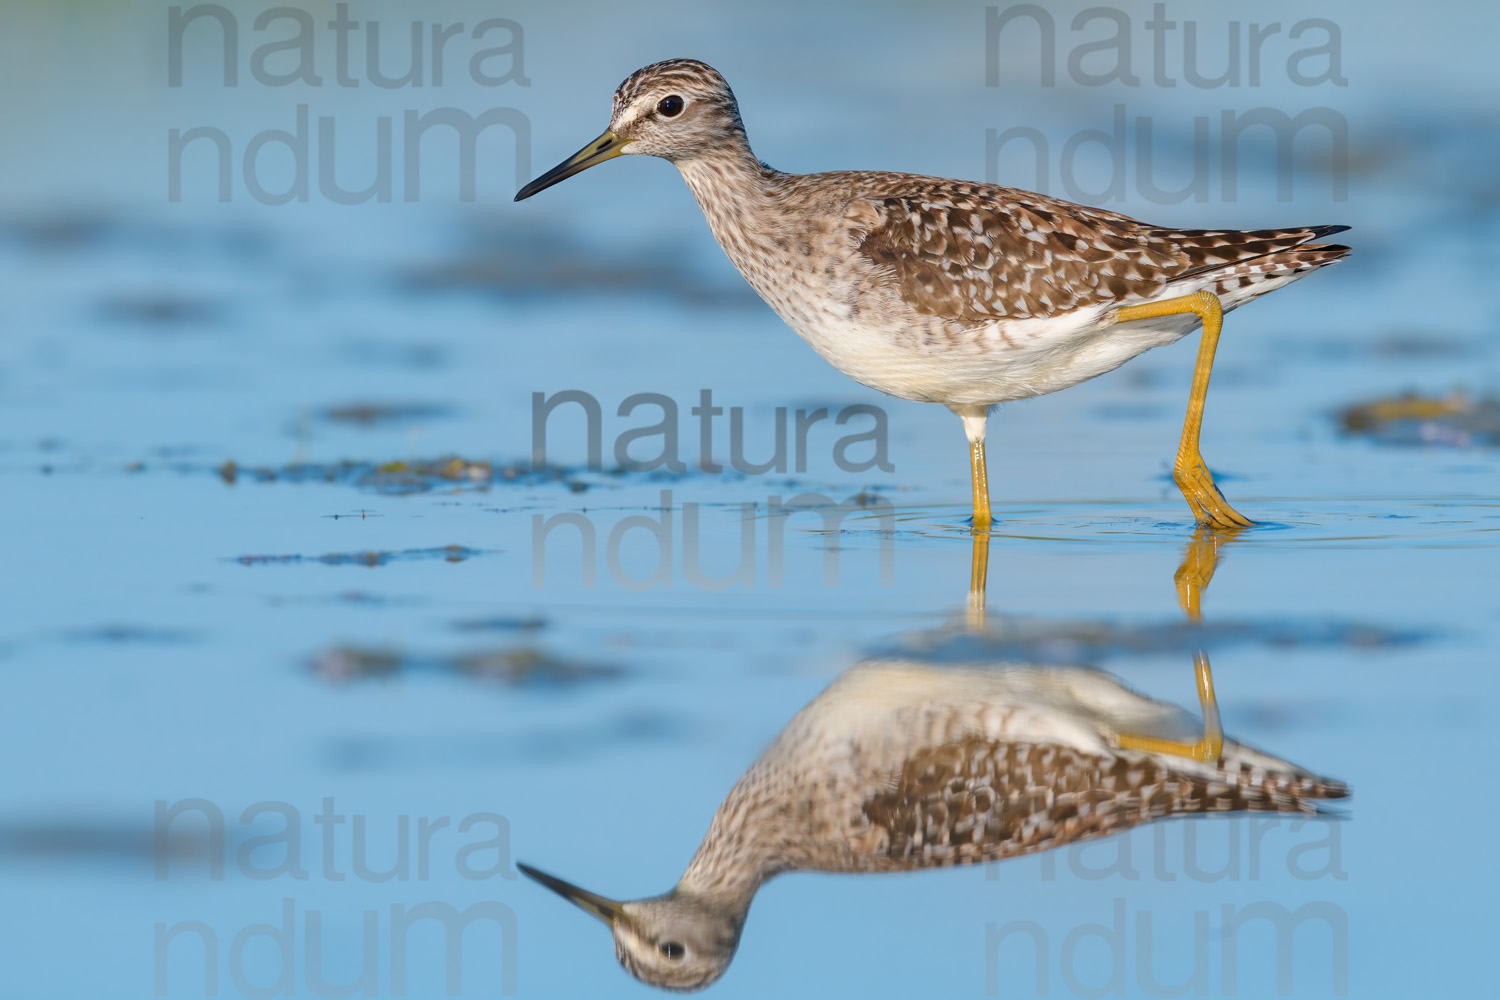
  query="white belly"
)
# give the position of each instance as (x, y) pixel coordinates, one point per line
(1010, 359)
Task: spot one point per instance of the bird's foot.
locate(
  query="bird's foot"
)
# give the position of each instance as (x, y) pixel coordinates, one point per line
(1202, 494)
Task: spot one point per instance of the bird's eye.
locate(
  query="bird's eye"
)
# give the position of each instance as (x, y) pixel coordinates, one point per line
(672, 950)
(669, 107)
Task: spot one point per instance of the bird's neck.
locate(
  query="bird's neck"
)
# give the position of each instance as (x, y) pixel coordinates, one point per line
(752, 838)
(736, 192)
(730, 866)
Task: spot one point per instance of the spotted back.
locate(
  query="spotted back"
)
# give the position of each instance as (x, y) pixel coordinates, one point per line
(977, 800)
(975, 253)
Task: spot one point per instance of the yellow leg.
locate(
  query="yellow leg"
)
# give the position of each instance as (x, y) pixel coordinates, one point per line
(1190, 473)
(1197, 569)
(978, 574)
(1211, 746)
(975, 418)
(981, 486)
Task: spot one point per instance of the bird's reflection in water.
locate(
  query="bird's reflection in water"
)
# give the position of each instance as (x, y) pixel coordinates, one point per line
(906, 763)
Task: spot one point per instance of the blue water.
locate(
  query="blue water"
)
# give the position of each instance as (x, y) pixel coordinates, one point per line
(155, 648)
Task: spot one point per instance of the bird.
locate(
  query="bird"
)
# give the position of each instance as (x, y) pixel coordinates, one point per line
(909, 761)
(954, 292)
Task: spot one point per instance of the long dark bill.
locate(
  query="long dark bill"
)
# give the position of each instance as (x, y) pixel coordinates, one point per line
(606, 147)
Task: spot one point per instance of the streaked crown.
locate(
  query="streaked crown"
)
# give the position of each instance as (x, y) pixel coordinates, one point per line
(677, 941)
(679, 109)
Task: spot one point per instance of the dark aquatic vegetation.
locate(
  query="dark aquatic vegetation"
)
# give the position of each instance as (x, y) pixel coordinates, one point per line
(1032, 640)
(520, 666)
(71, 838)
(499, 623)
(119, 633)
(400, 476)
(162, 311)
(447, 553)
(1455, 420)
(379, 414)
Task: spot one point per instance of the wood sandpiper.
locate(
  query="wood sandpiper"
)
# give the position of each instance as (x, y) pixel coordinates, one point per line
(907, 764)
(947, 291)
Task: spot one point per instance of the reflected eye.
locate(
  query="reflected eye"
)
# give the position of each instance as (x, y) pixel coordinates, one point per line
(670, 107)
(671, 949)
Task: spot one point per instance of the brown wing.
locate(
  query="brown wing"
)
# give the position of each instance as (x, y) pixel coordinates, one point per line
(979, 801)
(976, 253)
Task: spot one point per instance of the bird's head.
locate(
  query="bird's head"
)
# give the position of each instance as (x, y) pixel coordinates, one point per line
(680, 110)
(678, 941)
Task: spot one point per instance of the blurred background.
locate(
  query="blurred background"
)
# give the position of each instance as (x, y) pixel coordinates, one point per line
(270, 335)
